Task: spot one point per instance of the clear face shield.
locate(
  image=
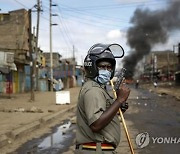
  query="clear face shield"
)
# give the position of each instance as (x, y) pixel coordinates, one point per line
(115, 49)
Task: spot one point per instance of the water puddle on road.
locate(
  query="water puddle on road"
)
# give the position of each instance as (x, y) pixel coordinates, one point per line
(59, 140)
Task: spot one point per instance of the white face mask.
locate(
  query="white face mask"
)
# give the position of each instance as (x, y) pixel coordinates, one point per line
(103, 77)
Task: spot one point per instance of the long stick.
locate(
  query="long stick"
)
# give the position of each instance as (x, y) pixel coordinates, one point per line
(123, 121)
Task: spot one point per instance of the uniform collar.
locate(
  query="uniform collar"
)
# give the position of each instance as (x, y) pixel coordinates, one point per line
(96, 84)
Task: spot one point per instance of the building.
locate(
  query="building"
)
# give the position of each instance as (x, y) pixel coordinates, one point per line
(70, 78)
(14, 32)
(63, 69)
(161, 65)
(55, 59)
(17, 40)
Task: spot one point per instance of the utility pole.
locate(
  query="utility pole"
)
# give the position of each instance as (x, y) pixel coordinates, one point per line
(50, 44)
(152, 67)
(31, 53)
(174, 51)
(33, 63)
(168, 68)
(36, 42)
(50, 41)
(73, 52)
(73, 59)
(178, 67)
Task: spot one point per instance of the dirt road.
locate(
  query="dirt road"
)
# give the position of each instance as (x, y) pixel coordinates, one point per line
(22, 120)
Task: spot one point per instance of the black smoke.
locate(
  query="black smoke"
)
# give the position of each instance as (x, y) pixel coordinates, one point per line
(149, 28)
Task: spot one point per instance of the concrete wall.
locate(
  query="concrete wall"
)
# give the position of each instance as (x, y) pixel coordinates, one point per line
(14, 28)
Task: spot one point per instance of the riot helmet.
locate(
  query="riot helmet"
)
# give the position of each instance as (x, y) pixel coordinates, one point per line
(101, 52)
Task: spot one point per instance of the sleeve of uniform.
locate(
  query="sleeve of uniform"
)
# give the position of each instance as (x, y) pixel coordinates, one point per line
(94, 104)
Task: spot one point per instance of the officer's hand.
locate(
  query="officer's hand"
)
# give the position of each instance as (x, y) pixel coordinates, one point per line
(124, 106)
(123, 94)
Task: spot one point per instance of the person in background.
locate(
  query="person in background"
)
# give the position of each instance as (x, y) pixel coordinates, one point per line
(155, 84)
(137, 84)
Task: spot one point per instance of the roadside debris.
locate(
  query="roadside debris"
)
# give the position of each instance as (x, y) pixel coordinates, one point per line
(20, 109)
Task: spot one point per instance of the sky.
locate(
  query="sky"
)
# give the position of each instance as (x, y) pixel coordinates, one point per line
(84, 23)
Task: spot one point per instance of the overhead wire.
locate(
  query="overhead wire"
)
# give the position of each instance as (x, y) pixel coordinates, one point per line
(66, 30)
(121, 5)
(32, 12)
(85, 11)
(79, 10)
(107, 22)
(64, 38)
(76, 10)
(64, 35)
(97, 16)
(87, 21)
(21, 4)
(92, 22)
(83, 20)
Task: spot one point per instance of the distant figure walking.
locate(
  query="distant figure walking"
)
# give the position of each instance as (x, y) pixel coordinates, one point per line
(137, 84)
(155, 84)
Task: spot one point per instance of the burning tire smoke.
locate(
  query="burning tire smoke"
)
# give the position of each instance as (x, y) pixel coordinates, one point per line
(150, 28)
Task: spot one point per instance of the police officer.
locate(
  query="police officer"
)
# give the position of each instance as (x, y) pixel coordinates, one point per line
(98, 126)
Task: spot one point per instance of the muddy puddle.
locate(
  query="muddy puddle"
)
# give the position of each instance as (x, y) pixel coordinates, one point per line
(56, 142)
